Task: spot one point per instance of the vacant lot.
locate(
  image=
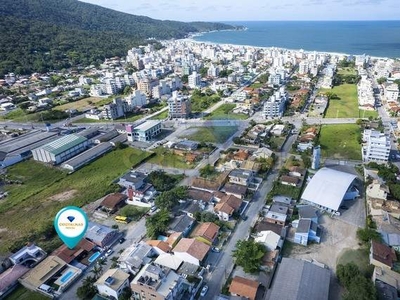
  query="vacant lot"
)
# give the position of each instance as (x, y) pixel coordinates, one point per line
(346, 106)
(165, 158)
(340, 141)
(337, 237)
(214, 134)
(224, 112)
(28, 212)
(358, 256)
(83, 104)
(161, 116)
(22, 293)
(347, 71)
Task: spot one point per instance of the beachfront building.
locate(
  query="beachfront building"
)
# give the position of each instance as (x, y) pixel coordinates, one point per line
(275, 105)
(376, 147)
(392, 92)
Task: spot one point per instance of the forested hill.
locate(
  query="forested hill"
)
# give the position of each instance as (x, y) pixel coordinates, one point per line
(39, 35)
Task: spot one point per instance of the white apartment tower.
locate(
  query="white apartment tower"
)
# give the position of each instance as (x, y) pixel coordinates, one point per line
(194, 80)
(275, 106)
(377, 146)
(392, 92)
(303, 67)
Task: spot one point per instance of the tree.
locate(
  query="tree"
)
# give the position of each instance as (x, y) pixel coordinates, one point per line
(346, 273)
(306, 160)
(97, 271)
(367, 234)
(207, 171)
(157, 223)
(203, 72)
(381, 80)
(361, 288)
(169, 199)
(249, 254)
(126, 294)
(87, 290)
(161, 180)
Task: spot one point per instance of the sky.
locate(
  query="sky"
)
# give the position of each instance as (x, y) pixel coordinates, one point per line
(257, 10)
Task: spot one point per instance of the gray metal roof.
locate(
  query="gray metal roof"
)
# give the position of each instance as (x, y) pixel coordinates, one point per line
(87, 156)
(181, 223)
(147, 125)
(304, 226)
(298, 280)
(307, 212)
(64, 143)
(26, 142)
(97, 232)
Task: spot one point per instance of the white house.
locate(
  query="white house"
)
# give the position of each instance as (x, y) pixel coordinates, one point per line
(112, 283)
(269, 239)
(191, 251)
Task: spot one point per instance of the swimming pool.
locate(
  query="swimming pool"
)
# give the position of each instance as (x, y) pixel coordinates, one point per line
(94, 257)
(66, 276)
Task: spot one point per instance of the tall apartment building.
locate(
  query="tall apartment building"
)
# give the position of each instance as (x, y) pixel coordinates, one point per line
(303, 67)
(377, 146)
(194, 80)
(136, 99)
(275, 105)
(179, 106)
(392, 92)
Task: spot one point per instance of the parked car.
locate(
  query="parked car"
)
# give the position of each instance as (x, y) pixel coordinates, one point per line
(204, 291)
(109, 252)
(215, 249)
(121, 240)
(344, 207)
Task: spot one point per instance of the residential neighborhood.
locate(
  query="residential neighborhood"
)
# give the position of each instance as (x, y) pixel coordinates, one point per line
(207, 172)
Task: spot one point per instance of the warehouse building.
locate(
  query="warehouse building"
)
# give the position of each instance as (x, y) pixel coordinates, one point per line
(328, 188)
(86, 157)
(61, 149)
(19, 148)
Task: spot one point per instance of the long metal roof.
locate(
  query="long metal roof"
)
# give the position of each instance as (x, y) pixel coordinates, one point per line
(328, 187)
(63, 144)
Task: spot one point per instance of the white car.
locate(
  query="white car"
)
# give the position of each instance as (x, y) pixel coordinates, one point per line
(109, 252)
(204, 291)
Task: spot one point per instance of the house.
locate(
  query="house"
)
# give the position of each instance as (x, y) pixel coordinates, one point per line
(199, 195)
(381, 255)
(134, 180)
(136, 256)
(289, 180)
(78, 253)
(244, 287)
(236, 190)
(295, 171)
(300, 279)
(113, 202)
(160, 247)
(269, 260)
(377, 190)
(269, 239)
(182, 223)
(101, 235)
(277, 214)
(240, 176)
(241, 155)
(306, 231)
(262, 153)
(283, 200)
(155, 282)
(9, 279)
(112, 283)
(263, 225)
(388, 277)
(308, 212)
(191, 251)
(192, 207)
(206, 232)
(228, 205)
(28, 256)
(168, 260)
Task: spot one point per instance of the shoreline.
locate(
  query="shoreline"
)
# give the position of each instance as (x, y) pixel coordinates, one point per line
(274, 47)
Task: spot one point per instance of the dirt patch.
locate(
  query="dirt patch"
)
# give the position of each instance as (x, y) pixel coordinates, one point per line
(336, 237)
(64, 196)
(3, 230)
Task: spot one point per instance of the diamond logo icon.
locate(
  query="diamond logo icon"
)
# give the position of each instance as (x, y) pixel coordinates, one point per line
(71, 218)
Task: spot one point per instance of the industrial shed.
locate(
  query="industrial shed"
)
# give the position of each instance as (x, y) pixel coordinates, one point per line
(86, 157)
(328, 188)
(61, 149)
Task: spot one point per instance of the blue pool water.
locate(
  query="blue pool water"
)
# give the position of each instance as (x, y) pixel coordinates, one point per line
(94, 257)
(66, 276)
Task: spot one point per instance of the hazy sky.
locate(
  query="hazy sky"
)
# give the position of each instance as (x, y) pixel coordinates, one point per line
(237, 10)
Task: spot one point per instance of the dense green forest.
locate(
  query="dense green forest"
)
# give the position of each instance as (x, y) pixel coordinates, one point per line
(40, 35)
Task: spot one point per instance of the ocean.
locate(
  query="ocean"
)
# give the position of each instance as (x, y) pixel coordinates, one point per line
(374, 38)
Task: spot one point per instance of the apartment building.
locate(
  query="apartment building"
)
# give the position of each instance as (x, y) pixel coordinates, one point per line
(275, 106)
(377, 146)
(179, 106)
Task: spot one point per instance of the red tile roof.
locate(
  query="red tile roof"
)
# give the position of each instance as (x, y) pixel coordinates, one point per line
(164, 246)
(193, 247)
(207, 230)
(112, 200)
(244, 287)
(383, 254)
(69, 255)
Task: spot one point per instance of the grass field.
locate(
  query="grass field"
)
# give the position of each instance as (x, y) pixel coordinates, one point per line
(215, 134)
(81, 104)
(165, 158)
(21, 293)
(224, 113)
(346, 106)
(161, 116)
(347, 71)
(340, 141)
(30, 208)
(360, 257)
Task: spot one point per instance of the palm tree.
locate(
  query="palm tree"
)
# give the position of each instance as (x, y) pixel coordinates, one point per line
(97, 270)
